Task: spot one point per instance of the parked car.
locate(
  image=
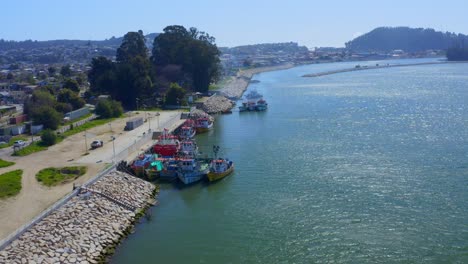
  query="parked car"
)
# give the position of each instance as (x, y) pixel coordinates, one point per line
(97, 144)
(19, 144)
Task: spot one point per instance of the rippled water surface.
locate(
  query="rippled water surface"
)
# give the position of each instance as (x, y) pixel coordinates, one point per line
(359, 167)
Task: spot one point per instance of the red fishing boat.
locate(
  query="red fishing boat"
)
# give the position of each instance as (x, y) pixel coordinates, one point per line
(167, 144)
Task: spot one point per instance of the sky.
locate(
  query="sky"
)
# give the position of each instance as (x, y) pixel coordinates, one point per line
(325, 23)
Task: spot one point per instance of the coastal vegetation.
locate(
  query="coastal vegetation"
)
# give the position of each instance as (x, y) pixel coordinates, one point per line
(109, 108)
(5, 163)
(458, 53)
(189, 58)
(56, 176)
(404, 38)
(48, 137)
(10, 183)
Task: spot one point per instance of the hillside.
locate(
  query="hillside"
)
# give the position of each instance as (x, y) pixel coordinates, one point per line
(404, 38)
(61, 51)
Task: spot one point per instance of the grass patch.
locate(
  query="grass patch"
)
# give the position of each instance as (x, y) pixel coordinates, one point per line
(12, 141)
(5, 163)
(87, 125)
(36, 146)
(10, 183)
(78, 119)
(56, 176)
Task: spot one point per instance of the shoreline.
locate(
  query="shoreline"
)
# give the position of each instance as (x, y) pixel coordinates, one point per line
(234, 88)
(224, 100)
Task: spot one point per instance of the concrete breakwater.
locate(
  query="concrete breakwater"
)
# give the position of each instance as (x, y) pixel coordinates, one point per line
(87, 227)
(362, 68)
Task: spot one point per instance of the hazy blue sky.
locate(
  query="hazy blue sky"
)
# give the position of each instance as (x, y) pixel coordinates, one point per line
(237, 22)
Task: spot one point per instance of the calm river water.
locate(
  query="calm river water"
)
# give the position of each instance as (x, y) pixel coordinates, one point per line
(358, 167)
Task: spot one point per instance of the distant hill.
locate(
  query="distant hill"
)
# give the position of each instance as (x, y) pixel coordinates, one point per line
(61, 51)
(6, 45)
(404, 38)
(265, 48)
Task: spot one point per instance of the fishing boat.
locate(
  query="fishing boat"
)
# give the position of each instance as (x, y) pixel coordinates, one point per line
(262, 105)
(188, 148)
(169, 169)
(167, 145)
(187, 132)
(203, 124)
(191, 170)
(220, 168)
(154, 169)
(143, 161)
(253, 101)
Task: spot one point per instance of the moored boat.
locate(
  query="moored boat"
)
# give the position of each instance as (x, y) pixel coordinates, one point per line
(220, 168)
(253, 101)
(203, 124)
(262, 105)
(187, 132)
(169, 169)
(167, 145)
(188, 148)
(191, 170)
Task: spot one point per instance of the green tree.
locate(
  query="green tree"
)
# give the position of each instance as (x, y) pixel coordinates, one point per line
(70, 97)
(195, 51)
(39, 98)
(175, 95)
(102, 76)
(48, 137)
(133, 45)
(66, 71)
(72, 85)
(47, 116)
(109, 108)
(52, 71)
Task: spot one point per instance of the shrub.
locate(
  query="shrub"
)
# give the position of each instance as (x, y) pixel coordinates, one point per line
(48, 137)
(109, 108)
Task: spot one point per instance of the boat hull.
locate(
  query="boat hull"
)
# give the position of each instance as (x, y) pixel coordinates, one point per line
(166, 150)
(214, 176)
(203, 129)
(190, 177)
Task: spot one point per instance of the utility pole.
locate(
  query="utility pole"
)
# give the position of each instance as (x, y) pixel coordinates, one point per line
(113, 148)
(157, 115)
(86, 143)
(149, 122)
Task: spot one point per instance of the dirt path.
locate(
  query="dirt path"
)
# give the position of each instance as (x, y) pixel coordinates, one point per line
(34, 197)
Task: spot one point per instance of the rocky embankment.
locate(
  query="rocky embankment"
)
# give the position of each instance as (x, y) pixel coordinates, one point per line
(87, 227)
(234, 89)
(217, 104)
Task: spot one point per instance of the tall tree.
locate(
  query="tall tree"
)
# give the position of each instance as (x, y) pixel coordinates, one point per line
(133, 45)
(194, 50)
(66, 71)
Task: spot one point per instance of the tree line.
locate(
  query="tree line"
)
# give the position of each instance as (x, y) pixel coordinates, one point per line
(180, 58)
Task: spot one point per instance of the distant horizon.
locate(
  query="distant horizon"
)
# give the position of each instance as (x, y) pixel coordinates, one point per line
(146, 33)
(323, 24)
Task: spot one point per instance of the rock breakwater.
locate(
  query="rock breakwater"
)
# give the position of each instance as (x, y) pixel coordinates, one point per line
(87, 227)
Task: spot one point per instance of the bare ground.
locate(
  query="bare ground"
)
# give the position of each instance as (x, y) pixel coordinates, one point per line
(34, 197)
